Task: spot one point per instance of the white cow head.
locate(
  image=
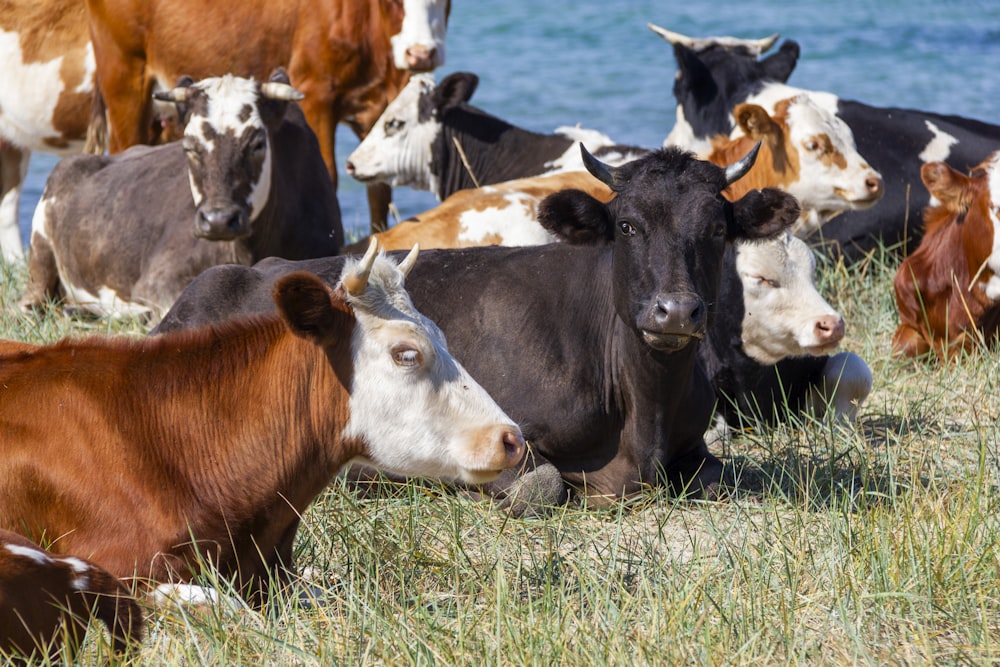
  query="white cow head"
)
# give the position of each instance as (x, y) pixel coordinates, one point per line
(784, 314)
(419, 45)
(227, 142)
(412, 403)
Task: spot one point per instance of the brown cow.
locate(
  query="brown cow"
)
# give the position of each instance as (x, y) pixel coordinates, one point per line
(143, 455)
(46, 602)
(349, 58)
(948, 289)
(805, 151)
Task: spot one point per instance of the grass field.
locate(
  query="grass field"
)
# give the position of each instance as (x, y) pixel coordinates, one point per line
(879, 546)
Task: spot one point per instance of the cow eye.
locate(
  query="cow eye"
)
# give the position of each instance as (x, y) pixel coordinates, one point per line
(813, 146)
(761, 280)
(626, 228)
(259, 145)
(394, 125)
(406, 355)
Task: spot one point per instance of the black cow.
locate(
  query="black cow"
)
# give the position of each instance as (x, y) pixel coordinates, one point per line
(430, 138)
(714, 77)
(126, 233)
(589, 345)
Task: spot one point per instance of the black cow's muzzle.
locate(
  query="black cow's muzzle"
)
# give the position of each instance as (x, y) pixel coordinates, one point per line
(675, 320)
(221, 223)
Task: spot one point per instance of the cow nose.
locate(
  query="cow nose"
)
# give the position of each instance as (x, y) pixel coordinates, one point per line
(874, 185)
(349, 168)
(220, 223)
(514, 447)
(420, 58)
(682, 314)
(829, 329)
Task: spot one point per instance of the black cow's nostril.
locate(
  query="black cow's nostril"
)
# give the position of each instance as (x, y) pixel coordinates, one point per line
(680, 314)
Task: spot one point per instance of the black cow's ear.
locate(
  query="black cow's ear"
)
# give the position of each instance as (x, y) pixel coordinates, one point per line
(692, 71)
(311, 309)
(576, 217)
(453, 90)
(761, 214)
(779, 66)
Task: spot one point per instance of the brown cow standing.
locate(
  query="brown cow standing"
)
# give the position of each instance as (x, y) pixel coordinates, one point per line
(142, 455)
(46, 599)
(339, 53)
(948, 289)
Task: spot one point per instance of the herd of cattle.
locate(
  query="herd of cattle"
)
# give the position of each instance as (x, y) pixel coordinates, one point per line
(613, 307)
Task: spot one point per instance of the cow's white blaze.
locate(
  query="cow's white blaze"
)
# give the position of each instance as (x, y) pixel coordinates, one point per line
(416, 407)
(424, 27)
(992, 288)
(229, 97)
(397, 151)
(782, 304)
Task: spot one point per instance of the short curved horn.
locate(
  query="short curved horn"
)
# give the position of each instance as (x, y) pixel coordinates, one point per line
(274, 90)
(739, 169)
(177, 95)
(604, 173)
(409, 260)
(356, 282)
(754, 46)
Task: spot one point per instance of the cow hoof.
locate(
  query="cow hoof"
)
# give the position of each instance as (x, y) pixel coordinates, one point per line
(534, 493)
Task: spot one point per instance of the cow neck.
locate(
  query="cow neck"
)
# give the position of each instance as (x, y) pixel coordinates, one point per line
(495, 150)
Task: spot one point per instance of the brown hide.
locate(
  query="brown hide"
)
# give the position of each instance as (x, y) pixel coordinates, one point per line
(942, 306)
(337, 53)
(45, 599)
(122, 450)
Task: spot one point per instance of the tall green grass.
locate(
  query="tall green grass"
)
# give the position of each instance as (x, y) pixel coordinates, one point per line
(874, 546)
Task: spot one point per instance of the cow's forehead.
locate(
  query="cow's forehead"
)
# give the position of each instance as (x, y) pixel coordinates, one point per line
(806, 119)
(408, 102)
(785, 255)
(229, 105)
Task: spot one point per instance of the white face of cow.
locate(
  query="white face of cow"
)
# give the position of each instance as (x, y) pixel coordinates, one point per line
(229, 156)
(784, 315)
(397, 151)
(993, 171)
(419, 46)
(415, 406)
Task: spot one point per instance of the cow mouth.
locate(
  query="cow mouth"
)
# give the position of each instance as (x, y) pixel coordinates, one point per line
(665, 342)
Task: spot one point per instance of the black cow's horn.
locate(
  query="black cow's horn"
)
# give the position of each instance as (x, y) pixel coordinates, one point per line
(604, 173)
(739, 169)
(178, 95)
(754, 46)
(275, 90)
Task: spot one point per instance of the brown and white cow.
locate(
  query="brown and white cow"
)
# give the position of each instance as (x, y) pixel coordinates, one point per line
(123, 234)
(805, 151)
(948, 289)
(46, 602)
(47, 96)
(348, 58)
(144, 455)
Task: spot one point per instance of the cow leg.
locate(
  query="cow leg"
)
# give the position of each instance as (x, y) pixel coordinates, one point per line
(43, 274)
(13, 170)
(843, 386)
(528, 491)
(379, 199)
(122, 81)
(694, 474)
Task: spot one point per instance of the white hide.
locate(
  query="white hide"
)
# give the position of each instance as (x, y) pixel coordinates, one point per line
(416, 407)
(424, 27)
(514, 223)
(992, 288)
(781, 303)
(939, 147)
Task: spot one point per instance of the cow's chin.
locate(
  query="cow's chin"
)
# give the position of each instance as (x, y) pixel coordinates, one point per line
(666, 342)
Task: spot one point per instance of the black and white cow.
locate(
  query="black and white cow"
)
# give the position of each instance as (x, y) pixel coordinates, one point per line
(430, 138)
(124, 234)
(714, 76)
(589, 345)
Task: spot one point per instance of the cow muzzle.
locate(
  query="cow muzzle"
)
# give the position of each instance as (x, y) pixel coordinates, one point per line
(422, 58)
(221, 223)
(675, 320)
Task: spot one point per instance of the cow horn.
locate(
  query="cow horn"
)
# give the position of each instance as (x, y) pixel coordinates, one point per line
(356, 282)
(755, 46)
(604, 173)
(274, 90)
(177, 95)
(739, 169)
(409, 260)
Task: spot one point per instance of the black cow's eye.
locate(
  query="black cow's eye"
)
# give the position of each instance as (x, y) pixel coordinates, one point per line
(626, 228)
(404, 354)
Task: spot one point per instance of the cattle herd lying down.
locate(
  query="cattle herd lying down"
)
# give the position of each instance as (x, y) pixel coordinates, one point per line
(683, 278)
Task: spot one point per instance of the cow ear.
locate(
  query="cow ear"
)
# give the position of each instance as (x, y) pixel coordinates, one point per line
(945, 184)
(576, 217)
(779, 66)
(754, 121)
(311, 308)
(453, 90)
(691, 69)
(762, 214)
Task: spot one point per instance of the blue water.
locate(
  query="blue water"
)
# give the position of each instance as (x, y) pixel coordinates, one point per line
(594, 63)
